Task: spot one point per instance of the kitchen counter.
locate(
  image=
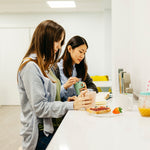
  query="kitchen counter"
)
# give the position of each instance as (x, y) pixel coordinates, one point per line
(82, 131)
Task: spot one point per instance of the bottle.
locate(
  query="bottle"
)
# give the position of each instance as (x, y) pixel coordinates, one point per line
(144, 104)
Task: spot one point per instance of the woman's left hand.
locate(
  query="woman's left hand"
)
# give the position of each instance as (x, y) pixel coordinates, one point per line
(84, 88)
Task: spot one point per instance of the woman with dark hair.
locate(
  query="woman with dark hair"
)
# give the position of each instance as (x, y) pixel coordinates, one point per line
(72, 67)
(38, 87)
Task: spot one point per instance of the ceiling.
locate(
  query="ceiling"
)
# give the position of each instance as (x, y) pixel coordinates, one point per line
(40, 6)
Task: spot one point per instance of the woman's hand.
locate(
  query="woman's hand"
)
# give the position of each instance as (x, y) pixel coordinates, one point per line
(84, 88)
(82, 101)
(73, 98)
(71, 81)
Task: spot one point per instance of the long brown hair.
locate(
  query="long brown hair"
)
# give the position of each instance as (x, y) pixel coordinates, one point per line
(81, 68)
(42, 43)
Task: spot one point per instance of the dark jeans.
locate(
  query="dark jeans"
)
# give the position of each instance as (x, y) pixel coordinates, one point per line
(43, 141)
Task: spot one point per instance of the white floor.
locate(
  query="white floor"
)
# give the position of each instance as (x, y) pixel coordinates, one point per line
(10, 127)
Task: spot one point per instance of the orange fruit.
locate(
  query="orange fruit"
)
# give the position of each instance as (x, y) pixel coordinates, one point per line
(117, 110)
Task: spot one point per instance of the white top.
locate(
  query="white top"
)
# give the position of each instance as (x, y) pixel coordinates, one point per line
(63, 79)
(81, 131)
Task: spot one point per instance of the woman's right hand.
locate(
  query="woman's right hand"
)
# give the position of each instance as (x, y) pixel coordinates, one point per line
(71, 81)
(82, 101)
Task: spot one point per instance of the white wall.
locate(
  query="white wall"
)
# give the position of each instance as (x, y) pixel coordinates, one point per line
(140, 44)
(16, 31)
(120, 39)
(131, 41)
(13, 44)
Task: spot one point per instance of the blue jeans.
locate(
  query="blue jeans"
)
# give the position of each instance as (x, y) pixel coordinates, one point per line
(43, 141)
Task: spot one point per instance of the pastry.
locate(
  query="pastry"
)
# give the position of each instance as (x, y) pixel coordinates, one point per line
(99, 110)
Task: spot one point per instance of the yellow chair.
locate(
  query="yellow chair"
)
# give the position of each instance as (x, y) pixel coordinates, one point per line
(99, 89)
(102, 78)
(104, 89)
(110, 90)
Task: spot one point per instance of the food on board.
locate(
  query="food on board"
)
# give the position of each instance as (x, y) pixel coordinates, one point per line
(98, 110)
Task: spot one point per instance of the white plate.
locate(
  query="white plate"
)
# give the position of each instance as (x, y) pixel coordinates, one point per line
(109, 114)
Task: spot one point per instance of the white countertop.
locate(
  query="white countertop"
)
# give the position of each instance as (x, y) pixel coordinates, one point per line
(81, 131)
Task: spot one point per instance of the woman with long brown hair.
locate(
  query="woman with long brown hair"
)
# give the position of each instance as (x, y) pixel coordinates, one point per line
(41, 106)
(72, 67)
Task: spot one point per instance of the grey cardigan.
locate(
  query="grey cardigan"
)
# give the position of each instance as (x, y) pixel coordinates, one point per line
(37, 97)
